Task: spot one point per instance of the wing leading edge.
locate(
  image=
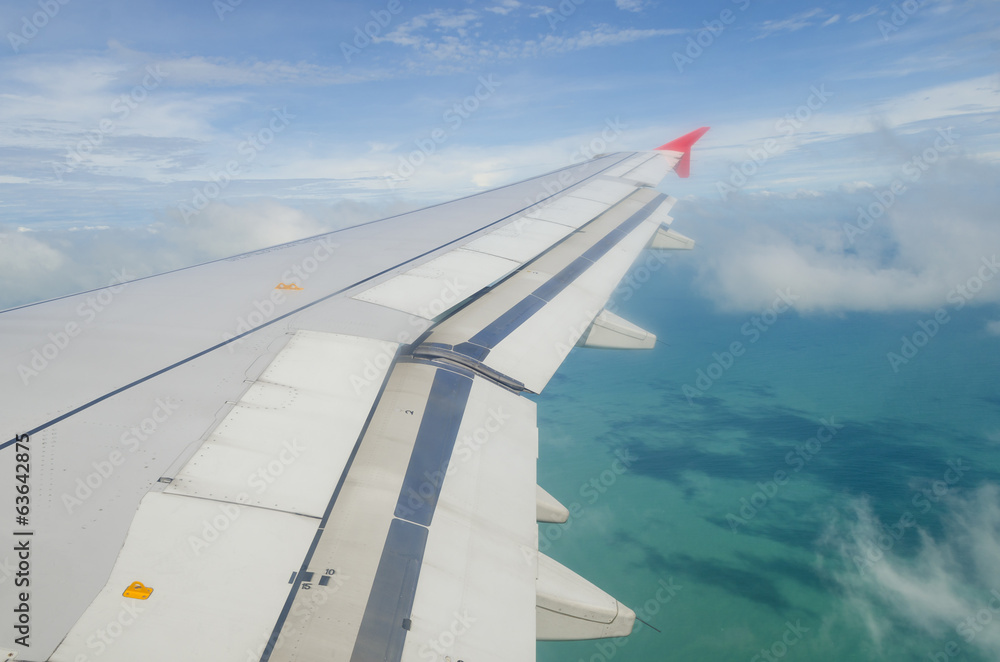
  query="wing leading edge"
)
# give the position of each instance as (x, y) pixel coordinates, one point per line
(370, 491)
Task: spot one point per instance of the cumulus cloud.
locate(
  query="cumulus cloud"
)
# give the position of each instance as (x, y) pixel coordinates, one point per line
(28, 265)
(860, 248)
(949, 588)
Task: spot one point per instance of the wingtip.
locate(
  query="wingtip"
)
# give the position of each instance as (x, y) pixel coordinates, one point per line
(684, 145)
(685, 142)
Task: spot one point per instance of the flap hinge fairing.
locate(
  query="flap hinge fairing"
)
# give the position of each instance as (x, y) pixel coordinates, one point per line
(548, 509)
(609, 331)
(671, 240)
(569, 608)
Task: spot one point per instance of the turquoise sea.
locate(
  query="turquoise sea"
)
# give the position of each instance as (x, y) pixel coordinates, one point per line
(879, 539)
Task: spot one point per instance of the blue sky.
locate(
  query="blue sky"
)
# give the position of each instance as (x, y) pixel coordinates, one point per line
(190, 130)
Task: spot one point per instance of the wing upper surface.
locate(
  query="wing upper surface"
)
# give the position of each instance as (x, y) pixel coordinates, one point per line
(280, 370)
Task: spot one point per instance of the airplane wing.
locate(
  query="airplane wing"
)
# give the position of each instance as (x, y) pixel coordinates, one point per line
(320, 450)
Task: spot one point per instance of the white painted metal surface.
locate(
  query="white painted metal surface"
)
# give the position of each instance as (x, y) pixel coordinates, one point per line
(286, 442)
(653, 170)
(569, 607)
(609, 331)
(629, 164)
(570, 211)
(478, 571)
(324, 621)
(438, 286)
(608, 191)
(671, 240)
(219, 576)
(548, 509)
(662, 214)
(521, 240)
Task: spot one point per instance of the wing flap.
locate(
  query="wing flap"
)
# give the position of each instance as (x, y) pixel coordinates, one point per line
(522, 240)
(476, 572)
(570, 211)
(525, 327)
(608, 191)
(218, 573)
(286, 442)
(436, 287)
(429, 535)
(433, 288)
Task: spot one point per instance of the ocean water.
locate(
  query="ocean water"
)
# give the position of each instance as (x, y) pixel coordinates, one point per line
(736, 536)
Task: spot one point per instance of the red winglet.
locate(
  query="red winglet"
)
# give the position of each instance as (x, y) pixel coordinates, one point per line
(684, 144)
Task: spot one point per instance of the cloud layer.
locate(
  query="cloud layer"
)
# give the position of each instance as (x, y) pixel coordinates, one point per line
(948, 589)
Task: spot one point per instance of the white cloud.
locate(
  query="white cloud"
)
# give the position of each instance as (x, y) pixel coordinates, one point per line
(949, 581)
(790, 24)
(504, 8)
(630, 5)
(444, 39)
(830, 21)
(854, 18)
(914, 257)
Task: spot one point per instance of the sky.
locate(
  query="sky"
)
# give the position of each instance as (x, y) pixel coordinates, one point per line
(147, 136)
(852, 162)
